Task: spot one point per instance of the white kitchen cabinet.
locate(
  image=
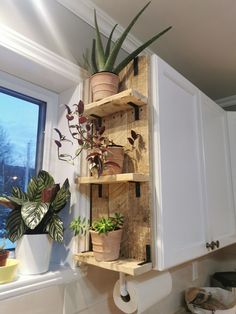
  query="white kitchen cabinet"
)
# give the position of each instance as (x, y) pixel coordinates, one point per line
(192, 181)
(178, 167)
(218, 175)
(231, 119)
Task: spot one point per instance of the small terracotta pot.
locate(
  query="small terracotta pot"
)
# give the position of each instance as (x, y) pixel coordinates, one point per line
(115, 154)
(104, 84)
(106, 247)
(3, 257)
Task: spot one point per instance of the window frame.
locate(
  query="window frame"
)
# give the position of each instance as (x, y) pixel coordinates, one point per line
(47, 116)
(32, 91)
(42, 107)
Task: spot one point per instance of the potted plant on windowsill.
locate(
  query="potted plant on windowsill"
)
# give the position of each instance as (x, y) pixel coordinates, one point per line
(3, 254)
(106, 234)
(101, 64)
(34, 220)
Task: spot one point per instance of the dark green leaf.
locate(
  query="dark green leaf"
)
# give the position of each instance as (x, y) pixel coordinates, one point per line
(46, 177)
(55, 228)
(136, 52)
(17, 192)
(93, 57)
(117, 46)
(62, 197)
(15, 226)
(99, 46)
(108, 47)
(33, 212)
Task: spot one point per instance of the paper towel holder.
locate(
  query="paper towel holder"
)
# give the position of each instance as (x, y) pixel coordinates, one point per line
(124, 294)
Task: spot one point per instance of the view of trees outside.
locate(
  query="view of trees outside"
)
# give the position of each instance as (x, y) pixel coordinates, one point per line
(18, 140)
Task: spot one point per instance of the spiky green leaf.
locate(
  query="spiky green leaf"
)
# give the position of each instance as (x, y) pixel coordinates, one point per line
(33, 212)
(108, 46)
(55, 228)
(15, 226)
(117, 46)
(99, 47)
(136, 52)
(93, 57)
(62, 197)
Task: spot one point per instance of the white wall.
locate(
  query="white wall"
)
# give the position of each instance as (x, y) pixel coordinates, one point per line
(93, 294)
(49, 24)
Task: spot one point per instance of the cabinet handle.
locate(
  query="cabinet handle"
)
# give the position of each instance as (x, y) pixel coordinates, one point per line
(213, 245)
(217, 243)
(210, 245)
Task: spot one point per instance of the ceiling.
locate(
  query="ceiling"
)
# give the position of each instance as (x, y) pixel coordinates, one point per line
(201, 45)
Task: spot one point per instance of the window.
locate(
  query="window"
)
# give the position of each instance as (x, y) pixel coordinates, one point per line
(22, 123)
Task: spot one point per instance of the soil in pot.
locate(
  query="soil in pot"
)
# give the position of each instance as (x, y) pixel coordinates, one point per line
(106, 247)
(3, 257)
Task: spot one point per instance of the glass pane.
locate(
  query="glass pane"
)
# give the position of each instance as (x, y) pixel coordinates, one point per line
(18, 146)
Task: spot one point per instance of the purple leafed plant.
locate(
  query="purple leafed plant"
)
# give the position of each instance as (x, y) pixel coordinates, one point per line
(89, 136)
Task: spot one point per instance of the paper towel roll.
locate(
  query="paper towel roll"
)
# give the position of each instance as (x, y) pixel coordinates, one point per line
(144, 291)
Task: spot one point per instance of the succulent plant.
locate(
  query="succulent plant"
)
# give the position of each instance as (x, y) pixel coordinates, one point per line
(107, 224)
(80, 226)
(104, 59)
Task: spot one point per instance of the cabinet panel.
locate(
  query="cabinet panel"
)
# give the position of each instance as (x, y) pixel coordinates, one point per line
(218, 181)
(178, 165)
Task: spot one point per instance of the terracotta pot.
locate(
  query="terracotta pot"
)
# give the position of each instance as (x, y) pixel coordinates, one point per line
(104, 84)
(3, 257)
(106, 247)
(114, 154)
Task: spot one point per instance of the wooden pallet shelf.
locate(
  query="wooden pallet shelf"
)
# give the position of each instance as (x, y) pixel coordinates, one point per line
(128, 266)
(116, 103)
(115, 178)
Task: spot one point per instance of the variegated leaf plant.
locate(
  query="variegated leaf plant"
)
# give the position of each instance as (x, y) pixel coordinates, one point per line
(36, 211)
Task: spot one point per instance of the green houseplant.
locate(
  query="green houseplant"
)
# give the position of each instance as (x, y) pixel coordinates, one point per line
(34, 219)
(103, 60)
(105, 233)
(3, 254)
(104, 156)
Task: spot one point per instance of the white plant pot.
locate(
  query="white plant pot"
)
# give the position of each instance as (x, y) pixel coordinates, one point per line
(34, 252)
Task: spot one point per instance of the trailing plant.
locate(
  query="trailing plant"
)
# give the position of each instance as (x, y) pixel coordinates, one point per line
(89, 136)
(37, 210)
(104, 59)
(80, 226)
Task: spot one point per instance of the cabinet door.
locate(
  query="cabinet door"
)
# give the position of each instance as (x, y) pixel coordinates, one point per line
(218, 179)
(178, 164)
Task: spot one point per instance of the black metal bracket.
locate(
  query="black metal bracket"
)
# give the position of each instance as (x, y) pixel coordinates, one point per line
(99, 190)
(136, 110)
(137, 189)
(135, 66)
(99, 119)
(148, 255)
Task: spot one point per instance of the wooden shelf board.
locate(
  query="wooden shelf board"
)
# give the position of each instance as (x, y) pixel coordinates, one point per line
(127, 266)
(115, 178)
(115, 103)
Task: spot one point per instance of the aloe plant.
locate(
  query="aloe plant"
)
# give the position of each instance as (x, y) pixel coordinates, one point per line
(36, 211)
(104, 59)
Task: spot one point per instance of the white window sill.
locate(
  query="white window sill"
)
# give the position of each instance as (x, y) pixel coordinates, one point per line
(24, 284)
